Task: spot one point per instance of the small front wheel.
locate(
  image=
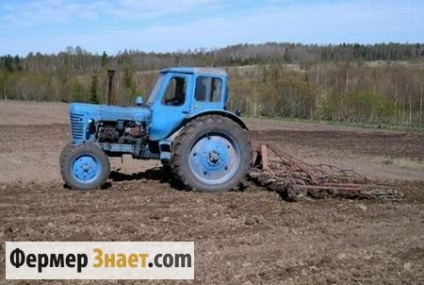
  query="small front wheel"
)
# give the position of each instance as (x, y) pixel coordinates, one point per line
(84, 167)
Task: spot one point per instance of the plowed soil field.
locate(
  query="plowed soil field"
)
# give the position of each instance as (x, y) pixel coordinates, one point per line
(246, 237)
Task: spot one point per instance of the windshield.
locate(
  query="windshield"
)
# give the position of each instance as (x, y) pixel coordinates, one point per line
(155, 90)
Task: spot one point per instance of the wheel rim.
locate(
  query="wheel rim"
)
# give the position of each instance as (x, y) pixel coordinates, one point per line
(214, 159)
(85, 169)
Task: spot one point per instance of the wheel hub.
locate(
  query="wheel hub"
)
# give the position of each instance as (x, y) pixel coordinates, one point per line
(85, 168)
(213, 159)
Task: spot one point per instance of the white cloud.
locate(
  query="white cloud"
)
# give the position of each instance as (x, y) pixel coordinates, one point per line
(39, 13)
(36, 13)
(136, 9)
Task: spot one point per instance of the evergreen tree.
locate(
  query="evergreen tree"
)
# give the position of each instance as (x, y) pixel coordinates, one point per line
(105, 59)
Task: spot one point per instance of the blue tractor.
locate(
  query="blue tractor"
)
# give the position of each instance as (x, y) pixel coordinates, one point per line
(184, 123)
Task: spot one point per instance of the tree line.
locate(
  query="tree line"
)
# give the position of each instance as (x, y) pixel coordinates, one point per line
(381, 83)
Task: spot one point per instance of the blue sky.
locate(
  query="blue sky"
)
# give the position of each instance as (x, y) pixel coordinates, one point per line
(49, 26)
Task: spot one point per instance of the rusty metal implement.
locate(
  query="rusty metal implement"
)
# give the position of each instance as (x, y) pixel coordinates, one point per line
(292, 178)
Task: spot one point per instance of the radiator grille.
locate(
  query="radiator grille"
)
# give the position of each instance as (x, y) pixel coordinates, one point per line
(77, 126)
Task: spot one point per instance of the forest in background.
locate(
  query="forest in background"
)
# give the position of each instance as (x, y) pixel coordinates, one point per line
(368, 84)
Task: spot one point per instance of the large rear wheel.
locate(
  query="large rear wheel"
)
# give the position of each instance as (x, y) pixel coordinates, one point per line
(84, 167)
(212, 153)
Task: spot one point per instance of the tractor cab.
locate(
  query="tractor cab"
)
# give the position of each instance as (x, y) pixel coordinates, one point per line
(181, 93)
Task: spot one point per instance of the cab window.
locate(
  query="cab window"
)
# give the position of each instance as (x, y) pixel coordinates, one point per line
(175, 92)
(208, 89)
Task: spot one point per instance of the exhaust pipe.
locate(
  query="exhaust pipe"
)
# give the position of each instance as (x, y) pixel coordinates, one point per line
(110, 100)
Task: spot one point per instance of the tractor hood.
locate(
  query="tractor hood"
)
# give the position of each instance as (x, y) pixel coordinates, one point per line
(109, 113)
(82, 115)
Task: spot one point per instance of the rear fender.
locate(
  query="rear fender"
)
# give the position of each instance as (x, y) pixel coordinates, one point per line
(227, 114)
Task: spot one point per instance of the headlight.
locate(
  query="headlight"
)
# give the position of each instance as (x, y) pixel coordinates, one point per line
(91, 126)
